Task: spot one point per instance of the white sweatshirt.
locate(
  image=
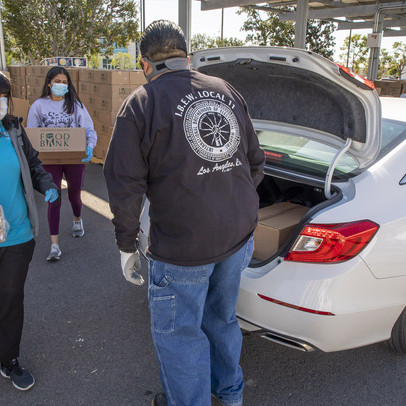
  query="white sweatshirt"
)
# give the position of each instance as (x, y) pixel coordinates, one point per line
(45, 112)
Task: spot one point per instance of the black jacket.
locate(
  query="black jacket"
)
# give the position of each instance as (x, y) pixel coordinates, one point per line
(186, 141)
(33, 174)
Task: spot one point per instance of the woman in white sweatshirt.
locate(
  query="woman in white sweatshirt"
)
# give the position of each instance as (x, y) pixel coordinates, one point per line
(60, 106)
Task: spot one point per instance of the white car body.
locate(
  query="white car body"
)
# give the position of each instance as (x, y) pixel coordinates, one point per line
(338, 305)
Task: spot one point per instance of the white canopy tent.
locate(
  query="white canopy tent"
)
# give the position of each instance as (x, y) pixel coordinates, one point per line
(385, 17)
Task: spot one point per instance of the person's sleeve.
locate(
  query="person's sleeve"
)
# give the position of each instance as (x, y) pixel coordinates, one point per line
(86, 122)
(126, 172)
(41, 179)
(255, 154)
(34, 119)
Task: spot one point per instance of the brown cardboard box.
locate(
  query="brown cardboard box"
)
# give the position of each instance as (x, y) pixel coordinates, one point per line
(34, 91)
(84, 88)
(115, 91)
(112, 77)
(66, 158)
(272, 231)
(16, 70)
(59, 145)
(35, 80)
(74, 74)
(275, 209)
(107, 118)
(86, 75)
(20, 108)
(33, 70)
(108, 104)
(137, 77)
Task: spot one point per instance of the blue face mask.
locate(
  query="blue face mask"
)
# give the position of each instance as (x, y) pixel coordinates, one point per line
(59, 89)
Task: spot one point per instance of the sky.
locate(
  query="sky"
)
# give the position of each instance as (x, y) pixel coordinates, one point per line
(209, 22)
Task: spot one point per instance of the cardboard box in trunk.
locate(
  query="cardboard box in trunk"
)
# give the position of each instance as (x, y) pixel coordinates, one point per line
(276, 224)
(59, 145)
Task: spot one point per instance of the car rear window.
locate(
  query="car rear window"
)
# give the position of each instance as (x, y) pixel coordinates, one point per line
(299, 154)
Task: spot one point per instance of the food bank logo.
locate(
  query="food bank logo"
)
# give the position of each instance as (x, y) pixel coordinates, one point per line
(54, 140)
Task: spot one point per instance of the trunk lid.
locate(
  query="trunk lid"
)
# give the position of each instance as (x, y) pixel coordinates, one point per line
(299, 89)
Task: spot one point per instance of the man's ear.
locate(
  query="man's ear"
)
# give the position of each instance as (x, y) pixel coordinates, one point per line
(145, 65)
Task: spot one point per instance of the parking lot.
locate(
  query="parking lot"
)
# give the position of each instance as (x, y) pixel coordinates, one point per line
(87, 338)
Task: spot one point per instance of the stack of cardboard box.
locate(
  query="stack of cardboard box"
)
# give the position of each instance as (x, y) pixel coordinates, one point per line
(18, 81)
(103, 92)
(392, 88)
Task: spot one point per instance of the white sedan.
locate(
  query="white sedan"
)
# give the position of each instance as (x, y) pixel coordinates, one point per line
(329, 267)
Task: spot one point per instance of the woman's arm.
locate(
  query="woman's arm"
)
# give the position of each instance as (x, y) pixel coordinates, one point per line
(34, 118)
(85, 121)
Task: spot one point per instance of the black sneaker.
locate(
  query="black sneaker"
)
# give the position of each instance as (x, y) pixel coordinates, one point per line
(20, 378)
(159, 400)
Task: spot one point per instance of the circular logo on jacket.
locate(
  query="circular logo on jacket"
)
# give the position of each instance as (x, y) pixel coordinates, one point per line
(211, 129)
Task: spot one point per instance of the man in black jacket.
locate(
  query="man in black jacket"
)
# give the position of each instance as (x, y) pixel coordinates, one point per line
(186, 141)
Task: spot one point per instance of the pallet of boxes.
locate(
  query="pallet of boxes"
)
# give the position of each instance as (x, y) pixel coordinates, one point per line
(390, 88)
(17, 76)
(103, 92)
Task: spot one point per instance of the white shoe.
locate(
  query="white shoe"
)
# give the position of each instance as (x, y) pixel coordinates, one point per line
(78, 229)
(55, 253)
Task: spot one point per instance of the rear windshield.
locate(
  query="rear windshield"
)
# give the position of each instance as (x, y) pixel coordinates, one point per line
(299, 154)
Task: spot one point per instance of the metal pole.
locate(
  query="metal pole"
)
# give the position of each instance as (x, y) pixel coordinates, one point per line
(222, 23)
(185, 18)
(302, 11)
(2, 49)
(142, 15)
(378, 28)
(349, 46)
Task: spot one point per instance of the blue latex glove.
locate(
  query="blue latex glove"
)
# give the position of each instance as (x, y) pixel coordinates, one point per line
(51, 195)
(89, 153)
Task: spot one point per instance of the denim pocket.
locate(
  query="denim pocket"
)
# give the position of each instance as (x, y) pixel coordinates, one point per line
(163, 314)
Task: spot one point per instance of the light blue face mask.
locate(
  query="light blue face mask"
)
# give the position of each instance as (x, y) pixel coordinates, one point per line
(59, 89)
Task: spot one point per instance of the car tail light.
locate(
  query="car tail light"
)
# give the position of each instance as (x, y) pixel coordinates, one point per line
(332, 242)
(364, 81)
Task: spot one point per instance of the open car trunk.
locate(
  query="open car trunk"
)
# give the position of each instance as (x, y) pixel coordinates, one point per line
(284, 204)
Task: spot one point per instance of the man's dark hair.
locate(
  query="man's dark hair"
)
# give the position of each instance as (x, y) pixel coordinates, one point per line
(161, 40)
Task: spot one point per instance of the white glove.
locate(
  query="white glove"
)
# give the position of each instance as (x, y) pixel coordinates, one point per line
(131, 265)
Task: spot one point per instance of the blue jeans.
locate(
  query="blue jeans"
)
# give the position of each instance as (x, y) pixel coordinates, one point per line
(195, 331)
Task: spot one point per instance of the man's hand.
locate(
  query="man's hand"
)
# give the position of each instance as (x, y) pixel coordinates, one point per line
(131, 265)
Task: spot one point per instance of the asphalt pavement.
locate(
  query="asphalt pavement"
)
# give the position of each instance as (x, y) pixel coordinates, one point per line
(87, 337)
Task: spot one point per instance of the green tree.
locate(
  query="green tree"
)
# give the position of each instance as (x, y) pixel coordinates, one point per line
(203, 41)
(46, 28)
(358, 56)
(398, 62)
(319, 37)
(94, 61)
(267, 29)
(385, 61)
(122, 60)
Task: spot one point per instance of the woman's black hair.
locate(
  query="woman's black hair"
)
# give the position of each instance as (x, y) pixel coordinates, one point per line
(70, 98)
(5, 88)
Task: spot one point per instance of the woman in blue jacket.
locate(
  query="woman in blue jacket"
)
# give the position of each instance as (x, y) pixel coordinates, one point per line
(20, 173)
